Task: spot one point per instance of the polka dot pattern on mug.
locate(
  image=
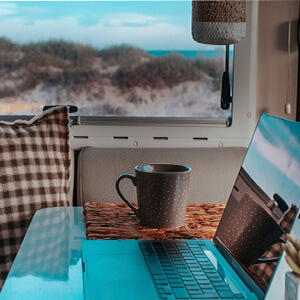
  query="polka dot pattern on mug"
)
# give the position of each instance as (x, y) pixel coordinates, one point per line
(162, 199)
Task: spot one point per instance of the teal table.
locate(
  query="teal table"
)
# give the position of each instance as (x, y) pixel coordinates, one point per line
(48, 264)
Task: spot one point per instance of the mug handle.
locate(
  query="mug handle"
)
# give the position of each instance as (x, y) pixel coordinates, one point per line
(267, 260)
(271, 259)
(134, 181)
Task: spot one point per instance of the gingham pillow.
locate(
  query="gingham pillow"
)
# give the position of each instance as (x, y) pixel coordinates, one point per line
(34, 174)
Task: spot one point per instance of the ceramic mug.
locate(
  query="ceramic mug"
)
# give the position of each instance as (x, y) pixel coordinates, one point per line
(162, 194)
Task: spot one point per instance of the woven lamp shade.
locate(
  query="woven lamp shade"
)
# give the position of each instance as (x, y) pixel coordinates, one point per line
(221, 22)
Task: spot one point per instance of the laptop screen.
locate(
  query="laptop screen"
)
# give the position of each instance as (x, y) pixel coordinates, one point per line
(264, 200)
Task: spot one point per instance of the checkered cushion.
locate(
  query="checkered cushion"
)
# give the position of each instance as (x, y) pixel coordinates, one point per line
(34, 174)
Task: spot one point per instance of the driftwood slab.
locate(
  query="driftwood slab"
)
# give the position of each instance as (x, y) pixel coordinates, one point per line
(117, 221)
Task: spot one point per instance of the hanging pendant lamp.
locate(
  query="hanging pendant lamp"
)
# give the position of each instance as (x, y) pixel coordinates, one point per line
(221, 22)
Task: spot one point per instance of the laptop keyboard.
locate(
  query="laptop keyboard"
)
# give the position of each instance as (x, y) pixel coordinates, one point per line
(182, 270)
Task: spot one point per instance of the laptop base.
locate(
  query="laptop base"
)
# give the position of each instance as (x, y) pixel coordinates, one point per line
(131, 269)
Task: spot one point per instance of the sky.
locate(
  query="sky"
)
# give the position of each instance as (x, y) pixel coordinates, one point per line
(273, 159)
(149, 25)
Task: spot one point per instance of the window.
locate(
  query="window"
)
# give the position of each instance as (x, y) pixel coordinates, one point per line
(114, 59)
(130, 58)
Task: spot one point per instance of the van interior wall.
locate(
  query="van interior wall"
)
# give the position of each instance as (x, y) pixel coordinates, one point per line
(212, 178)
(274, 89)
(213, 170)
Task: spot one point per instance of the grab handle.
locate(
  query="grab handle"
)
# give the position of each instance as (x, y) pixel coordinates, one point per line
(134, 182)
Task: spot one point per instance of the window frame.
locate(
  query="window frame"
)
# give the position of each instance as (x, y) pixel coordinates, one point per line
(126, 132)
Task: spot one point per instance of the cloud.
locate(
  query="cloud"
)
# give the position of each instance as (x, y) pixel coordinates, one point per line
(154, 35)
(129, 18)
(7, 9)
(279, 157)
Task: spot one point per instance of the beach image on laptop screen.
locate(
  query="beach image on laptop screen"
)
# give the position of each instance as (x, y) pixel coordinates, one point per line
(264, 201)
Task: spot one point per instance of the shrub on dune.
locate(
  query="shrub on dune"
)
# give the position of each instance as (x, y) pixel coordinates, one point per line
(159, 72)
(121, 54)
(61, 49)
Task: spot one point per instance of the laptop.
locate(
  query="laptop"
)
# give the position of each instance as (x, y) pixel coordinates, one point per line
(240, 261)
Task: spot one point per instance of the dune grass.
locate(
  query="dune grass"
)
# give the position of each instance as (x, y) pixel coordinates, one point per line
(165, 71)
(71, 66)
(121, 54)
(61, 49)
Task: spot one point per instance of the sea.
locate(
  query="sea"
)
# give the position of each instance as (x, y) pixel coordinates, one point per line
(192, 53)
